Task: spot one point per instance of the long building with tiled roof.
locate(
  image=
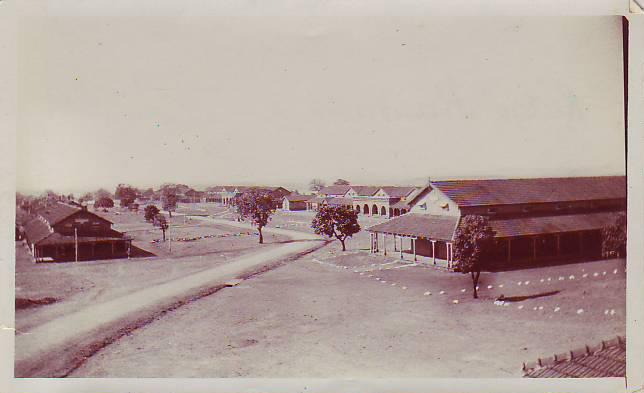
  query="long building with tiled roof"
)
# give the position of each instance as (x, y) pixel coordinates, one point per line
(60, 232)
(533, 219)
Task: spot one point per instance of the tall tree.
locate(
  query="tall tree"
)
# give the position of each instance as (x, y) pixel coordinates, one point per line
(473, 241)
(104, 202)
(341, 182)
(88, 196)
(169, 200)
(102, 193)
(316, 185)
(127, 194)
(151, 211)
(614, 238)
(336, 221)
(257, 206)
(162, 223)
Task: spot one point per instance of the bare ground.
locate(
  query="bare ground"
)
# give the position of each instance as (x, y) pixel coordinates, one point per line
(72, 285)
(314, 318)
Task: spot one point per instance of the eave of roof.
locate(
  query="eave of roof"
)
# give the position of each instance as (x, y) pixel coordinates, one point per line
(527, 226)
(607, 359)
(420, 225)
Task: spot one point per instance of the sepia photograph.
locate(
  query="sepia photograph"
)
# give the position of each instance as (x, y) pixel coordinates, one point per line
(321, 197)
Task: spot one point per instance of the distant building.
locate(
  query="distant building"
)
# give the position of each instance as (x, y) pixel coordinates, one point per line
(533, 219)
(192, 196)
(383, 201)
(61, 232)
(294, 202)
(386, 201)
(335, 191)
(226, 194)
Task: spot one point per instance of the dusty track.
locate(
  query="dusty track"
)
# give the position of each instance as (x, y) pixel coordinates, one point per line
(56, 348)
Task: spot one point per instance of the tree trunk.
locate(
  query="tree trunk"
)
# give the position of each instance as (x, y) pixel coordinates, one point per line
(343, 247)
(261, 236)
(170, 213)
(475, 282)
(163, 234)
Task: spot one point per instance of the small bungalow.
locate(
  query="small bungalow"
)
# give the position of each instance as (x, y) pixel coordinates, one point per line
(295, 202)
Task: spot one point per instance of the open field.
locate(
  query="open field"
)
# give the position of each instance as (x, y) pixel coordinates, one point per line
(73, 285)
(352, 314)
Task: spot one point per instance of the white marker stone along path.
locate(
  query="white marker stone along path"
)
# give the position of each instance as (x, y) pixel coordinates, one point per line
(371, 268)
(41, 351)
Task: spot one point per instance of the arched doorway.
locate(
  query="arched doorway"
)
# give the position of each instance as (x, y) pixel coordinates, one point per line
(374, 210)
(366, 209)
(383, 211)
(391, 212)
(403, 211)
(358, 208)
(396, 212)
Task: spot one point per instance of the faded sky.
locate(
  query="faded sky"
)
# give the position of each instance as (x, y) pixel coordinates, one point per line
(282, 100)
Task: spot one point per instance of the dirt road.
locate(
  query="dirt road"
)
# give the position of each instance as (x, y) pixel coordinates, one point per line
(54, 348)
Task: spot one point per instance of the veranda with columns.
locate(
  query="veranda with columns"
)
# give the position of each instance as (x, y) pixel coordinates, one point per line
(406, 247)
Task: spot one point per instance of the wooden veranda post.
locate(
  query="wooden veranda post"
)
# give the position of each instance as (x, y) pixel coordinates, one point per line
(384, 243)
(414, 246)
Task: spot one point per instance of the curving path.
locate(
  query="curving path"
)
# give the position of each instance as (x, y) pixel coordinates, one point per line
(55, 348)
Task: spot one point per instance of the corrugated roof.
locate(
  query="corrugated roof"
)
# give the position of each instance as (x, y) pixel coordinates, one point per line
(334, 190)
(36, 230)
(338, 201)
(606, 360)
(420, 225)
(398, 192)
(298, 197)
(551, 224)
(443, 227)
(57, 238)
(57, 212)
(400, 205)
(316, 199)
(538, 190)
(366, 190)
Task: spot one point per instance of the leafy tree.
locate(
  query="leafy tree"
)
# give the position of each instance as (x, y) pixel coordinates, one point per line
(88, 196)
(169, 200)
(472, 243)
(50, 197)
(257, 206)
(341, 182)
(614, 238)
(316, 185)
(151, 211)
(162, 223)
(336, 221)
(104, 202)
(102, 193)
(126, 194)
